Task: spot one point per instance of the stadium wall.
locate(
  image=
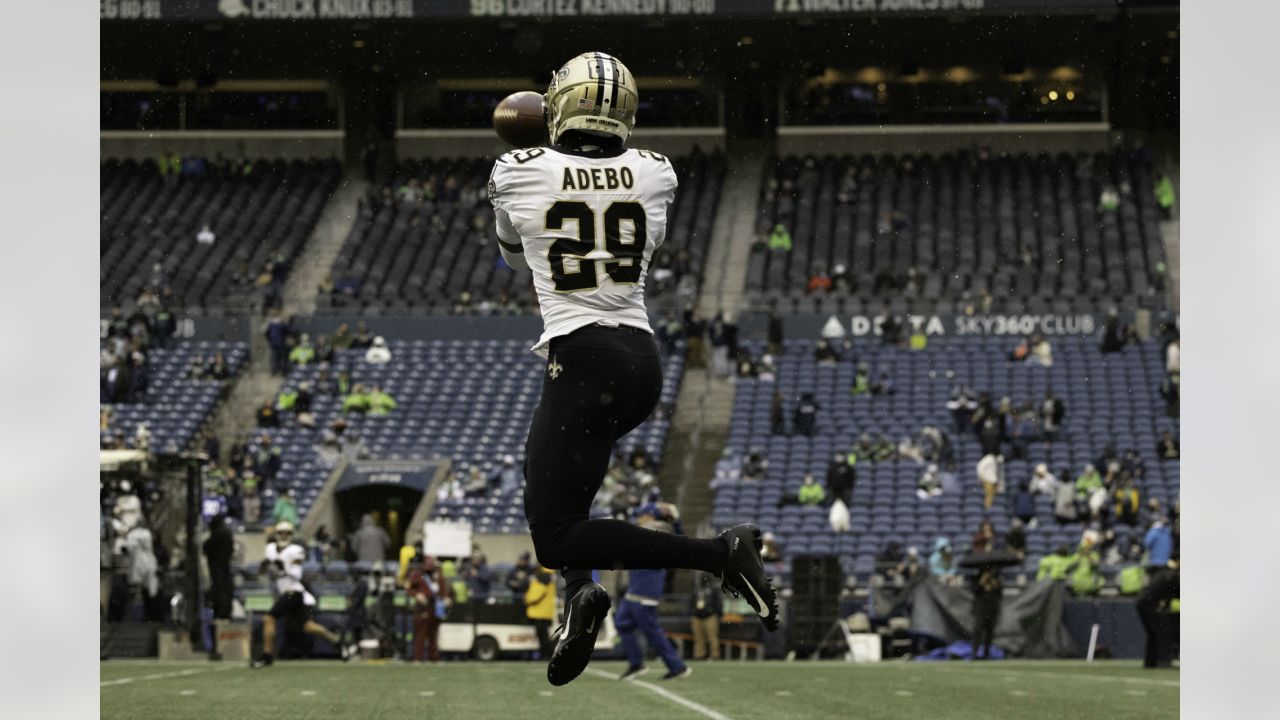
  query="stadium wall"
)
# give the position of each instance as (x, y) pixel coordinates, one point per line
(909, 139)
(270, 144)
(484, 143)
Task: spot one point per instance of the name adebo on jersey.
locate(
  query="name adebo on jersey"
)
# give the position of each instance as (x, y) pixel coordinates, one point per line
(588, 228)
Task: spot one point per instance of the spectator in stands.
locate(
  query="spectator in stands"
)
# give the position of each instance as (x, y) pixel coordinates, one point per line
(865, 448)
(1168, 447)
(766, 371)
(1052, 412)
(1108, 200)
(884, 450)
(669, 332)
(1065, 506)
(1015, 541)
(378, 353)
(1041, 351)
(267, 417)
(720, 351)
(277, 333)
(780, 239)
(370, 543)
(806, 415)
(1020, 351)
(1158, 543)
(342, 338)
(695, 330)
(476, 485)
(205, 236)
(891, 329)
(819, 281)
(990, 434)
(1165, 196)
(1112, 335)
(1042, 481)
(357, 401)
(1085, 578)
(378, 402)
(989, 471)
(116, 380)
(883, 385)
(286, 509)
(770, 552)
(930, 483)
(984, 539)
(861, 380)
(840, 279)
(824, 353)
(841, 478)
(1087, 483)
(478, 576)
(1057, 565)
(539, 595)
(811, 493)
(1171, 391)
(362, 340)
(265, 459)
(1126, 499)
(754, 467)
(520, 575)
(507, 477)
(942, 562)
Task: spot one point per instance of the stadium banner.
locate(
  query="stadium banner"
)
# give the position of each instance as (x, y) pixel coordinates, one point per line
(413, 474)
(294, 10)
(753, 325)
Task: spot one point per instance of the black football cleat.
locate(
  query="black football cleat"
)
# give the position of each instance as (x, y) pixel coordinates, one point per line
(576, 638)
(634, 673)
(744, 573)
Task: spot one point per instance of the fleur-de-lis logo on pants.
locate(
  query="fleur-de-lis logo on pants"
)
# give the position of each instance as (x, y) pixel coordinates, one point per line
(554, 369)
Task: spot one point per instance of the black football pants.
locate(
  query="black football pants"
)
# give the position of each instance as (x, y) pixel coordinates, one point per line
(600, 383)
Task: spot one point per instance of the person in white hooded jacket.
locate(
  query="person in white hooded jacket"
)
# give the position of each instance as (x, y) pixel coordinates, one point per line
(378, 353)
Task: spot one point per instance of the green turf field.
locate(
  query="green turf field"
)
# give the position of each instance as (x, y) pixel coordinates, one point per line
(139, 690)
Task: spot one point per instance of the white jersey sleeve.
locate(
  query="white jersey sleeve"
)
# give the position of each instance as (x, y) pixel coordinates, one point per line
(291, 557)
(587, 227)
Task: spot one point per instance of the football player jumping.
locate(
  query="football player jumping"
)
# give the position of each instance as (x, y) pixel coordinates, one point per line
(585, 214)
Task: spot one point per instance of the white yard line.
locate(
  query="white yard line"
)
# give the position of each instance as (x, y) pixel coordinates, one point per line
(161, 676)
(696, 707)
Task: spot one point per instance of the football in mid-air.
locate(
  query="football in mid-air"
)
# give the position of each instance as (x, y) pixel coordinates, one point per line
(518, 119)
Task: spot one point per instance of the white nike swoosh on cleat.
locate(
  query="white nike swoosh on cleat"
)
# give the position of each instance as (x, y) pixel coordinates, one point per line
(764, 607)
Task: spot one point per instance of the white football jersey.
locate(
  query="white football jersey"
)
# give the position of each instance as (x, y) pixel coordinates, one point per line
(290, 579)
(588, 227)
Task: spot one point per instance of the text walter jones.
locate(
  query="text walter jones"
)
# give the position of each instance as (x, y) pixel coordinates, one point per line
(1049, 324)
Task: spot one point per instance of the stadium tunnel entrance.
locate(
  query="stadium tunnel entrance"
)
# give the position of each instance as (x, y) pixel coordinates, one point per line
(398, 494)
(391, 506)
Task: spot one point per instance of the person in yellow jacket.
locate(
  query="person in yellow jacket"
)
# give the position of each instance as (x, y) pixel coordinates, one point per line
(540, 607)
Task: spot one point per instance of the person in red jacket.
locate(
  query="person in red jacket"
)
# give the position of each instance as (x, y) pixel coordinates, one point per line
(430, 597)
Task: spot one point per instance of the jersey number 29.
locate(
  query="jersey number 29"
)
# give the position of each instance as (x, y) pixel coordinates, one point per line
(623, 269)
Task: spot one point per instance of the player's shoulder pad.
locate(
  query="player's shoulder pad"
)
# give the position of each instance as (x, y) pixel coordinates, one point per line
(510, 167)
(668, 167)
(520, 158)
